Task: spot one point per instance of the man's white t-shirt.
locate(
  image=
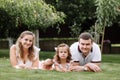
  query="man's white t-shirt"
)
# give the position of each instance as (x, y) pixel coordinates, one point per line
(93, 56)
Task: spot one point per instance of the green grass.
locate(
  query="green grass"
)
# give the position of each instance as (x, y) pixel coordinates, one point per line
(110, 70)
(42, 54)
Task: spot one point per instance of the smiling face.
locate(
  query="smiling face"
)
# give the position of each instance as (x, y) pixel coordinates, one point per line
(85, 46)
(63, 52)
(26, 41)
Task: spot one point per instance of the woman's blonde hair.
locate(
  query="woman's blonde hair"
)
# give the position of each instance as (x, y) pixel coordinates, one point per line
(19, 48)
(57, 58)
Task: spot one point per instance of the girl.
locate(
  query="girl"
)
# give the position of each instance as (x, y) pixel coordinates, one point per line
(23, 54)
(62, 58)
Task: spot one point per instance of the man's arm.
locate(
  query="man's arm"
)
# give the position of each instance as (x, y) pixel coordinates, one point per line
(94, 67)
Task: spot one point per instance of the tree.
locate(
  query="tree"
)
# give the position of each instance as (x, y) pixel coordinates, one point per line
(106, 12)
(33, 13)
(77, 13)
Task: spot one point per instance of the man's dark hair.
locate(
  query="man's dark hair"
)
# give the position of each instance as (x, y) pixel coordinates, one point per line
(85, 36)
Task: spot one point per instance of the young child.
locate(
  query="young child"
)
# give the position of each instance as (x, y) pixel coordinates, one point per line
(46, 64)
(62, 58)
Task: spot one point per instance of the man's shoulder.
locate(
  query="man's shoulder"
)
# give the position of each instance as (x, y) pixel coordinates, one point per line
(95, 44)
(74, 44)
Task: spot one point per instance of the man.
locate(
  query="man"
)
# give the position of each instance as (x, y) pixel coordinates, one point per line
(86, 53)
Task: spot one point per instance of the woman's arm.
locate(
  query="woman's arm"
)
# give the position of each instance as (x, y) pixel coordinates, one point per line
(35, 64)
(13, 59)
(35, 61)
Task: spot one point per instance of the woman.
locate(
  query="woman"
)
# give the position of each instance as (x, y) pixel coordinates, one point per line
(23, 54)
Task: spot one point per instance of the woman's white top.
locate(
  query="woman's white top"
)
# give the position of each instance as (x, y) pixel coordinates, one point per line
(28, 62)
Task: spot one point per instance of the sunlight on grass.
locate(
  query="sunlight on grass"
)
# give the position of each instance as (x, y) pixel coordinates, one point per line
(115, 45)
(110, 70)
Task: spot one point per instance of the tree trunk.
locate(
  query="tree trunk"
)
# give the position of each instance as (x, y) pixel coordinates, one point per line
(102, 39)
(37, 37)
(10, 40)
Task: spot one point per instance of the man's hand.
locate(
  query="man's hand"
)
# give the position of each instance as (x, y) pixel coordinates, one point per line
(93, 67)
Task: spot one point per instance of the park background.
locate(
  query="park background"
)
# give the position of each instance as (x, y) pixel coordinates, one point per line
(58, 21)
(61, 21)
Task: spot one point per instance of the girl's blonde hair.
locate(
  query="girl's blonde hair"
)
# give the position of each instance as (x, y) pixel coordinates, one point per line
(57, 58)
(19, 48)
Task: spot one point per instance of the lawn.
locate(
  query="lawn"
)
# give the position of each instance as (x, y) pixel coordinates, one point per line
(110, 70)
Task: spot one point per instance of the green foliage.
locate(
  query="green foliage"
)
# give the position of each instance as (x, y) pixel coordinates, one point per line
(106, 11)
(75, 30)
(106, 14)
(33, 13)
(77, 11)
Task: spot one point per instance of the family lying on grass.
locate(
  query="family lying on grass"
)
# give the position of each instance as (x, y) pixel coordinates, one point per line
(83, 55)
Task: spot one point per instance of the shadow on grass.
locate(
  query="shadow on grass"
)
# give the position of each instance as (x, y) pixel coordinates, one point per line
(42, 54)
(4, 53)
(112, 58)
